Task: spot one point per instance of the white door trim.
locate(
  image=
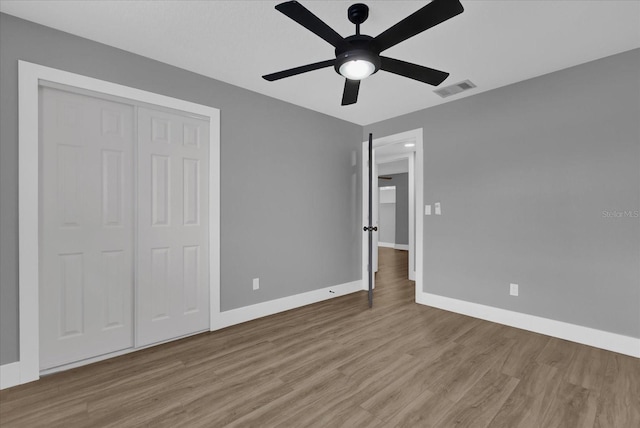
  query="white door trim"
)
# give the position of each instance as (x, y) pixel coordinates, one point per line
(416, 164)
(30, 76)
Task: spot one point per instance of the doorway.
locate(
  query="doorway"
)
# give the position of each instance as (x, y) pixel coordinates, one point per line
(404, 147)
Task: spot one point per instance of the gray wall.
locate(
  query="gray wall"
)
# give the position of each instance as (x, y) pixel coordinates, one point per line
(394, 167)
(387, 223)
(401, 181)
(290, 210)
(525, 174)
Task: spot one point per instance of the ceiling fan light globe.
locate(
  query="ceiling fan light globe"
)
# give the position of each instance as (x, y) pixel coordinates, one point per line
(357, 69)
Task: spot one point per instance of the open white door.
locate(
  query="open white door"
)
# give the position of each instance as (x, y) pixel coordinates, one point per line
(376, 212)
(369, 237)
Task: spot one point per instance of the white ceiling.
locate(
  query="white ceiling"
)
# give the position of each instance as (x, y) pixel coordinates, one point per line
(492, 43)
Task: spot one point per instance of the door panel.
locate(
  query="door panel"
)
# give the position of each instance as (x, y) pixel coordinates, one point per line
(86, 286)
(112, 188)
(370, 228)
(173, 229)
(159, 283)
(71, 294)
(115, 276)
(375, 194)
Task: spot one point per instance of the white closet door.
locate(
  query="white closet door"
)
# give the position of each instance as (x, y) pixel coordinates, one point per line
(86, 278)
(173, 226)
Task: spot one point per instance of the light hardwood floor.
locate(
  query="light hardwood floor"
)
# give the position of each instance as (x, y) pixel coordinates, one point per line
(340, 364)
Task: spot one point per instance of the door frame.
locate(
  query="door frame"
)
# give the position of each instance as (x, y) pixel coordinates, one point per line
(29, 77)
(416, 168)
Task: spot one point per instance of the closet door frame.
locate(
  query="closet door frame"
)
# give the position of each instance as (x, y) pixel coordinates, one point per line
(30, 76)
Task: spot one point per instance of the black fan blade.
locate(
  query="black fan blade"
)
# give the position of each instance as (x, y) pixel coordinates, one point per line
(413, 71)
(429, 16)
(298, 70)
(350, 94)
(308, 20)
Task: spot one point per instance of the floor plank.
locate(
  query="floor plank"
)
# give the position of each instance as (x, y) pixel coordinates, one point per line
(478, 406)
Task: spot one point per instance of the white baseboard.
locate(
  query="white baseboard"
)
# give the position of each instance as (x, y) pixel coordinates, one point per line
(386, 244)
(403, 247)
(259, 310)
(575, 333)
(9, 375)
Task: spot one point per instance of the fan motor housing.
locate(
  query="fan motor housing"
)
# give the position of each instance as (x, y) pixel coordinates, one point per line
(357, 54)
(356, 47)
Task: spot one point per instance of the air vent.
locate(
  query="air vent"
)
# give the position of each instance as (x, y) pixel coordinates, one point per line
(447, 91)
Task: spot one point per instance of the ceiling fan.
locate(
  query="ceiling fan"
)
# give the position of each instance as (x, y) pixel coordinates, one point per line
(358, 56)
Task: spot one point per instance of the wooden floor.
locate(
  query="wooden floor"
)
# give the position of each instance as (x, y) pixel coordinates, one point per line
(340, 364)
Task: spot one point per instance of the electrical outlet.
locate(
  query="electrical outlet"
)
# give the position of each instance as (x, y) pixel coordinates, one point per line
(256, 283)
(513, 289)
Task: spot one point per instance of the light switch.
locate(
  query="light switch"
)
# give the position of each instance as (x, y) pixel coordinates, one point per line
(438, 210)
(427, 210)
